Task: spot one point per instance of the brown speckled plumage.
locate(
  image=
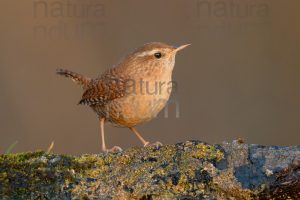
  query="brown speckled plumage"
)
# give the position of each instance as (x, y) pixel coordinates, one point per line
(126, 95)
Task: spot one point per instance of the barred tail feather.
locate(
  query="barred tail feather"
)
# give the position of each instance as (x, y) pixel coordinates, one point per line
(77, 78)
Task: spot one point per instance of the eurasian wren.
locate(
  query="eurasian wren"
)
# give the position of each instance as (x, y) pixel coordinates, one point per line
(132, 92)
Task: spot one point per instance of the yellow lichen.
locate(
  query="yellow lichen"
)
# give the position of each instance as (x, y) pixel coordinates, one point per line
(208, 152)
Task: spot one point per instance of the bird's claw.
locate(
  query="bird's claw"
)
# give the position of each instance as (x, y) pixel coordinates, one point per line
(146, 144)
(155, 144)
(115, 149)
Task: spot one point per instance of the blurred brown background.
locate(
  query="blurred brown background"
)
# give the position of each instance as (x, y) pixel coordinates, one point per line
(239, 79)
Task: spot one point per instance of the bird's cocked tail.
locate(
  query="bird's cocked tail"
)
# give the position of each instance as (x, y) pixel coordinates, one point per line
(77, 78)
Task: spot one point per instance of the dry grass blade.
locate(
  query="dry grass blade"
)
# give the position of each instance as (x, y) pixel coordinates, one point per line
(11, 147)
(50, 147)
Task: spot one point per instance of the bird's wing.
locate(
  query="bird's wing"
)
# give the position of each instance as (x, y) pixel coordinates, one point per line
(104, 89)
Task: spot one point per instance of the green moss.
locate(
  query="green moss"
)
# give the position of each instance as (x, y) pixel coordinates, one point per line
(39, 173)
(23, 174)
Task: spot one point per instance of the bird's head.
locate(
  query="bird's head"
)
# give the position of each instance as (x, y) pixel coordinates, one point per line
(152, 56)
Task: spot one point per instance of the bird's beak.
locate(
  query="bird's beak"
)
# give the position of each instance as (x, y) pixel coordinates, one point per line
(181, 47)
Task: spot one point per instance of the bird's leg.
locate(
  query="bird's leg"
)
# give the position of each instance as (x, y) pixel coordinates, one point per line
(145, 143)
(103, 146)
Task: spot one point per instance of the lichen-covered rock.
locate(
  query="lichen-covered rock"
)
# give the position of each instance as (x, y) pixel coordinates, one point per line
(190, 170)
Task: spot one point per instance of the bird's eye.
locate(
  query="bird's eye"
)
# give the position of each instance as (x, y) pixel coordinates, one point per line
(157, 55)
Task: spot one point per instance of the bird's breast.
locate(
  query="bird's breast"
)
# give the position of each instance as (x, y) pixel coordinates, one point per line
(144, 100)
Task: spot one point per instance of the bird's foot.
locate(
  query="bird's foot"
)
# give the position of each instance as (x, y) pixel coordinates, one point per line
(115, 149)
(146, 144)
(155, 144)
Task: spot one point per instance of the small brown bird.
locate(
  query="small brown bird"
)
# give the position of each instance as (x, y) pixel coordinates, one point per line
(132, 92)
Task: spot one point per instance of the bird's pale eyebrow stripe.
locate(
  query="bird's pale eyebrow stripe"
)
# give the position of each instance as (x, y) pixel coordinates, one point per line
(146, 53)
